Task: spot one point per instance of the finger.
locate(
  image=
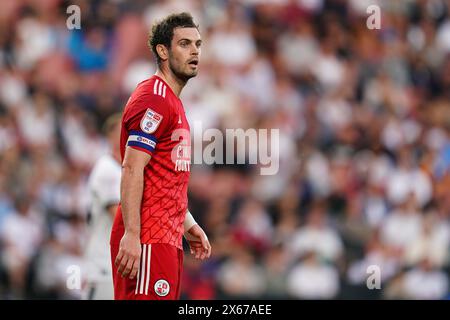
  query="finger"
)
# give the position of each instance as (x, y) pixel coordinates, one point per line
(208, 254)
(200, 253)
(128, 267)
(206, 247)
(204, 253)
(134, 269)
(209, 251)
(136, 265)
(122, 264)
(204, 240)
(119, 257)
(194, 246)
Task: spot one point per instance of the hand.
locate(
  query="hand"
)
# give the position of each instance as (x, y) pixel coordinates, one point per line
(129, 256)
(198, 242)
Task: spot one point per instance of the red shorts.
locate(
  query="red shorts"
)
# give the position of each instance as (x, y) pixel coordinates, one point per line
(159, 276)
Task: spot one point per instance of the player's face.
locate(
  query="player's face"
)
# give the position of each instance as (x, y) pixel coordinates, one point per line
(184, 54)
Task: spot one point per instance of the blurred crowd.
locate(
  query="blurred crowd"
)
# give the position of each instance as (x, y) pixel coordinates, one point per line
(363, 187)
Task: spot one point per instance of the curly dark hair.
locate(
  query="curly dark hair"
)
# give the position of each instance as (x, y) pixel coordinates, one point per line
(162, 31)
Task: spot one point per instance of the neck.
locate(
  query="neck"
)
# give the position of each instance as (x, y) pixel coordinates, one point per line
(175, 83)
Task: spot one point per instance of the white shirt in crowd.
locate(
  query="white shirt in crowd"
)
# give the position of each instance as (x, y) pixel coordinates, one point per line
(422, 284)
(325, 241)
(401, 228)
(23, 235)
(313, 281)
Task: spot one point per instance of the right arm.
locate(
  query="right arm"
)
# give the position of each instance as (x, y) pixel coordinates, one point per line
(145, 126)
(131, 189)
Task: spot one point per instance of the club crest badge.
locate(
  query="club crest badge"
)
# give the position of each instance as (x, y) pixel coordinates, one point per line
(150, 121)
(162, 288)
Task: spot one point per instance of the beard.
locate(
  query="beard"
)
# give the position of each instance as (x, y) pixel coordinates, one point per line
(183, 75)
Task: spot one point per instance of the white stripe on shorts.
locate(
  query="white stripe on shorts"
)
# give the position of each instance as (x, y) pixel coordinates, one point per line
(149, 259)
(143, 275)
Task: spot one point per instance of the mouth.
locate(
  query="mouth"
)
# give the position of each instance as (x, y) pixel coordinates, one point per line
(193, 63)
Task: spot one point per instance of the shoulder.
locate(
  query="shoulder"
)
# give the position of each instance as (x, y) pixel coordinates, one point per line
(150, 106)
(150, 93)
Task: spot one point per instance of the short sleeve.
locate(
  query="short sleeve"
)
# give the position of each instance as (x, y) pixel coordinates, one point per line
(148, 123)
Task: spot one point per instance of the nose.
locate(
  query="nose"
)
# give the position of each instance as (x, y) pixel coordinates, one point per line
(195, 51)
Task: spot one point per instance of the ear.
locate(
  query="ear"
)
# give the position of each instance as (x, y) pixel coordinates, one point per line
(162, 51)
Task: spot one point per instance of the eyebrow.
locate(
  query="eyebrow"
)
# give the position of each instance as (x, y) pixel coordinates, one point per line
(189, 40)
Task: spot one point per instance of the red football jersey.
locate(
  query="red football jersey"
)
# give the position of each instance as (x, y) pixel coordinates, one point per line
(154, 122)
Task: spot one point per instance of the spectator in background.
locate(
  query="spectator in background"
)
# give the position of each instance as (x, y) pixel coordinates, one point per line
(21, 236)
(276, 265)
(376, 254)
(104, 188)
(253, 226)
(90, 50)
(316, 236)
(313, 278)
(431, 244)
(240, 276)
(402, 226)
(36, 121)
(425, 282)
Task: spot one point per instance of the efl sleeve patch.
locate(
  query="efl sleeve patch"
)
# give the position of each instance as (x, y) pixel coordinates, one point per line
(142, 140)
(150, 121)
